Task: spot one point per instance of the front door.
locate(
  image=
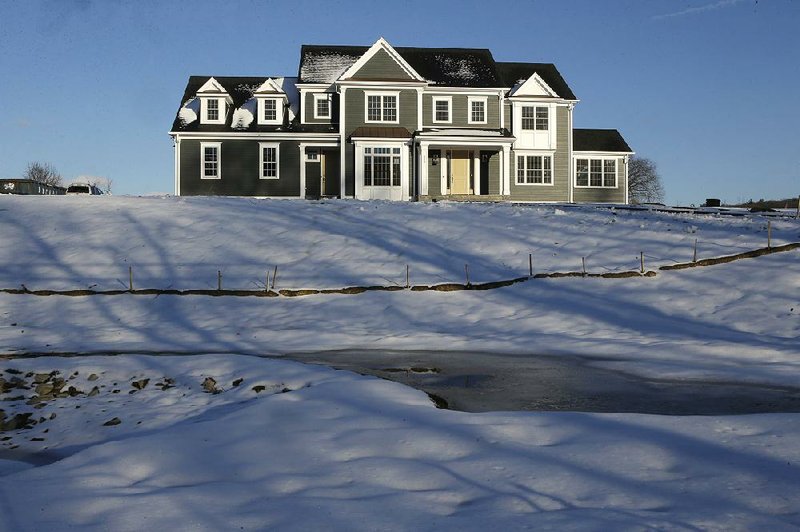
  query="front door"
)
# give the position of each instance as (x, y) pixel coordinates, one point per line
(459, 172)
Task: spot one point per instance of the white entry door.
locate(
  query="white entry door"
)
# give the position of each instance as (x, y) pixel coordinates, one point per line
(382, 173)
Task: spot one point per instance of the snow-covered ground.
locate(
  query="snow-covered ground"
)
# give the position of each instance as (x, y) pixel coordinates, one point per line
(341, 451)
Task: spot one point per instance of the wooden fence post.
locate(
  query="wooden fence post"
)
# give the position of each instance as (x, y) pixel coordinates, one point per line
(274, 276)
(583, 262)
(530, 264)
(407, 276)
(219, 279)
(130, 278)
(694, 256)
(769, 234)
(466, 272)
(641, 260)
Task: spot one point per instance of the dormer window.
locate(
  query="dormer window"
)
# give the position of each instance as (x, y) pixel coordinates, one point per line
(212, 110)
(270, 111)
(322, 105)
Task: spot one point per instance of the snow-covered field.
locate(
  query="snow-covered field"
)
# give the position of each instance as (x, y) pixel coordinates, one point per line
(340, 451)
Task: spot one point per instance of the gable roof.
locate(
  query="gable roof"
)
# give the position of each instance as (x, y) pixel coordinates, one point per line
(609, 140)
(511, 73)
(453, 67)
(382, 47)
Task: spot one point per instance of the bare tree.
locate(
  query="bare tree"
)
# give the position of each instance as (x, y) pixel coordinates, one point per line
(43, 173)
(644, 183)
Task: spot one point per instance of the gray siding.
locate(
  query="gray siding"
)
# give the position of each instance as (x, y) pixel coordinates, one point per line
(494, 173)
(240, 171)
(434, 174)
(507, 115)
(382, 67)
(604, 195)
(459, 110)
(355, 117)
(559, 191)
(308, 98)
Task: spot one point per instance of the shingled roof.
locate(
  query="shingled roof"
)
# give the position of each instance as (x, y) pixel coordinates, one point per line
(452, 67)
(608, 140)
(240, 89)
(512, 73)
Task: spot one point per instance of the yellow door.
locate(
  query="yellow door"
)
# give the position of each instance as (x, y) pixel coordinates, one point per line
(459, 172)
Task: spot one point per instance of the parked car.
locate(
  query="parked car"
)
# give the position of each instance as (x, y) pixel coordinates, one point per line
(80, 189)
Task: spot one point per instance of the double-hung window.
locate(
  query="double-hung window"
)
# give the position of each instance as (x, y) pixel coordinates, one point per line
(381, 107)
(322, 105)
(381, 167)
(598, 173)
(212, 110)
(534, 170)
(210, 160)
(269, 160)
(477, 110)
(270, 110)
(442, 109)
(535, 118)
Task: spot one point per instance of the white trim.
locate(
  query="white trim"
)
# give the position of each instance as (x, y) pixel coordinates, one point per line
(177, 150)
(262, 100)
(359, 186)
(203, 146)
(626, 160)
(470, 101)
(570, 172)
(476, 172)
(320, 96)
(277, 147)
(394, 85)
(278, 135)
(449, 100)
(506, 171)
(614, 158)
(534, 86)
(342, 145)
(212, 86)
(382, 94)
(478, 91)
(529, 153)
(269, 86)
(222, 109)
(381, 44)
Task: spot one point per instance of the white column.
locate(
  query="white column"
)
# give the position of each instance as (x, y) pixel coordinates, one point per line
(476, 165)
(342, 159)
(506, 169)
(423, 169)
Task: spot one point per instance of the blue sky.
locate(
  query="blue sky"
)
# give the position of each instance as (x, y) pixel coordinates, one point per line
(708, 89)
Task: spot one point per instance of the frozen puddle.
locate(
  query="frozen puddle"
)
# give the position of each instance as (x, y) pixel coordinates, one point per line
(483, 382)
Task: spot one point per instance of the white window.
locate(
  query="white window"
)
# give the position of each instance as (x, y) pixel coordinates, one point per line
(269, 158)
(381, 167)
(381, 107)
(212, 110)
(596, 173)
(322, 105)
(477, 110)
(535, 118)
(441, 109)
(210, 160)
(534, 170)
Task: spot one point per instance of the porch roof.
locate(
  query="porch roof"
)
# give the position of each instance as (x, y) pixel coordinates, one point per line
(465, 136)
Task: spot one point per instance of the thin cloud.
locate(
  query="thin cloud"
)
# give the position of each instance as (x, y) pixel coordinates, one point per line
(721, 4)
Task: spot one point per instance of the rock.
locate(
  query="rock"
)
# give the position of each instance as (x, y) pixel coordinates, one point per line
(39, 378)
(140, 384)
(210, 385)
(237, 382)
(114, 391)
(93, 377)
(94, 391)
(12, 371)
(19, 421)
(44, 388)
(58, 383)
(52, 416)
(259, 388)
(73, 391)
(111, 422)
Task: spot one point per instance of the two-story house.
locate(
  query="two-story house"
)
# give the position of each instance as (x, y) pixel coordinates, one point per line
(391, 123)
